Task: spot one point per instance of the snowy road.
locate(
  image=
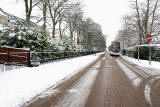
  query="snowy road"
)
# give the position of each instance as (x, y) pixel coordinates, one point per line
(77, 95)
(104, 81)
(73, 92)
(146, 82)
(111, 82)
(22, 85)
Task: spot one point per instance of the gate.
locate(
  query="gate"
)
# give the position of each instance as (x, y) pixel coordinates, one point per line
(14, 56)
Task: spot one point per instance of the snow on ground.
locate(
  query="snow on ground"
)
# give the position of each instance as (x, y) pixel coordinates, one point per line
(144, 65)
(4, 67)
(153, 69)
(1, 27)
(20, 85)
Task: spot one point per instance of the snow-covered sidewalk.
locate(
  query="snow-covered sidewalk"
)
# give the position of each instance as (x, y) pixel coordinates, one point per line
(21, 85)
(152, 69)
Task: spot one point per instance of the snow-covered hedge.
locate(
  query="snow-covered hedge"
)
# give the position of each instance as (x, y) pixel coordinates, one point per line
(18, 34)
(144, 52)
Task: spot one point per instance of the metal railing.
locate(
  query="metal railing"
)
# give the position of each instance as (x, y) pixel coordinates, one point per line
(48, 56)
(10, 60)
(142, 52)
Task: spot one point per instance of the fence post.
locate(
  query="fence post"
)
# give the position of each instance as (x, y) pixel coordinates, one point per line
(138, 52)
(8, 60)
(29, 63)
(150, 53)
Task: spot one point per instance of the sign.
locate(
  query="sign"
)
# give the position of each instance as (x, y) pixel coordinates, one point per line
(149, 38)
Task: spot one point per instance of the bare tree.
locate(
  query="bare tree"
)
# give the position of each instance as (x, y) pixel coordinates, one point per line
(144, 17)
(42, 5)
(55, 7)
(74, 19)
(29, 5)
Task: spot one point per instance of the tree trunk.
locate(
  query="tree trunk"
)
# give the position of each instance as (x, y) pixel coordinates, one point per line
(146, 18)
(53, 31)
(44, 16)
(78, 40)
(28, 10)
(139, 24)
(153, 16)
(71, 33)
(60, 29)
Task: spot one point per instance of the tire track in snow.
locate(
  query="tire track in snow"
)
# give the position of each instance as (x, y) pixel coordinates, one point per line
(136, 81)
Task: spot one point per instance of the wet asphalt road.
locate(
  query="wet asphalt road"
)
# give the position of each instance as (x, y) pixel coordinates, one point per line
(104, 84)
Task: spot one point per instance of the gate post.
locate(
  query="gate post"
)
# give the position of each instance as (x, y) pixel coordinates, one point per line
(28, 59)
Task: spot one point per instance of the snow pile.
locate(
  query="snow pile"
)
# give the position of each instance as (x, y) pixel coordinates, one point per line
(1, 27)
(19, 86)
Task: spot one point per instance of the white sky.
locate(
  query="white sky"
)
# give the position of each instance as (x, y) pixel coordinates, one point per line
(107, 13)
(12, 7)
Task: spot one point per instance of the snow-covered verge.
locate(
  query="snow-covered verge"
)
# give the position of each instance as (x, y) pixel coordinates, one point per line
(21, 85)
(143, 63)
(153, 69)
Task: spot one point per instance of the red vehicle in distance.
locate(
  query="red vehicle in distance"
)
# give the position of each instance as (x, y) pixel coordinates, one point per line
(114, 48)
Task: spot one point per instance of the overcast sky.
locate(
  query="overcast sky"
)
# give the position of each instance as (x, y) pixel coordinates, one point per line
(107, 13)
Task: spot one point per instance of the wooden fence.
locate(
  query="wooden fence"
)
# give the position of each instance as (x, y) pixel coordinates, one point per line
(14, 56)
